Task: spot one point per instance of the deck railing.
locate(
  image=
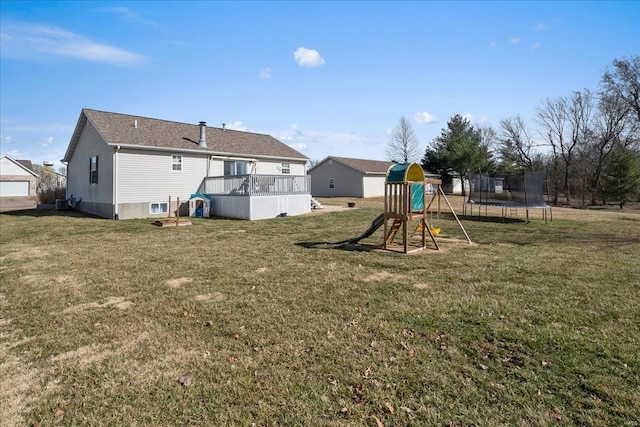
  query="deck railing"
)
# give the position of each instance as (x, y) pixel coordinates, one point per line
(256, 185)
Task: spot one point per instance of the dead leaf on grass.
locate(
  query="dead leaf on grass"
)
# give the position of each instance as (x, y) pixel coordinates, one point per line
(421, 285)
(378, 422)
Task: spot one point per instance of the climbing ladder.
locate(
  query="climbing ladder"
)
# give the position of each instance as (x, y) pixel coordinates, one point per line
(391, 235)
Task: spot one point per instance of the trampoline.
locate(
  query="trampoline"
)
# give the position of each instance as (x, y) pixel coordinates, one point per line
(508, 192)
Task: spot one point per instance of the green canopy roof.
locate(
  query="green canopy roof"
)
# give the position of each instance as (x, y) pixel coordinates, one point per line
(405, 172)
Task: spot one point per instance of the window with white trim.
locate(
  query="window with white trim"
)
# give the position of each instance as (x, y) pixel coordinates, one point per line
(332, 183)
(176, 163)
(235, 167)
(158, 208)
(286, 168)
(93, 170)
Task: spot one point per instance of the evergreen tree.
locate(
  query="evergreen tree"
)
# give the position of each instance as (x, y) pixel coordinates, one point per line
(622, 176)
(457, 150)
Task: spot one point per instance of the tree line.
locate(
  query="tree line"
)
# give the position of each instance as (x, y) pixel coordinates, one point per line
(588, 143)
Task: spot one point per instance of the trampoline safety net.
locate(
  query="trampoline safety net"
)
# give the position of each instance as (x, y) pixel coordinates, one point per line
(524, 189)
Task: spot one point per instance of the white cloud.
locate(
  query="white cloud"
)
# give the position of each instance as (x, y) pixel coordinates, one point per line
(25, 41)
(6, 139)
(319, 144)
(129, 15)
(425, 118)
(541, 27)
(47, 141)
(267, 73)
(308, 58)
(237, 125)
(514, 40)
(298, 146)
(468, 117)
(535, 46)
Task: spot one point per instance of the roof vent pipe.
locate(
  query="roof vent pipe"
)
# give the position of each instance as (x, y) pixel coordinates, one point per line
(203, 138)
(224, 125)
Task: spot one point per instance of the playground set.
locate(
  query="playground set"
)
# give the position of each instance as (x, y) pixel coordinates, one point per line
(405, 205)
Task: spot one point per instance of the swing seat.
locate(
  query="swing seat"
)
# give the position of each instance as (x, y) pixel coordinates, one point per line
(435, 230)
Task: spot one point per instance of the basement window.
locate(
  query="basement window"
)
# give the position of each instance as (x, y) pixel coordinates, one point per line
(158, 208)
(176, 163)
(332, 183)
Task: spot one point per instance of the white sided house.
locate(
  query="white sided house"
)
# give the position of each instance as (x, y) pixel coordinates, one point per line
(124, 166)
(16, 178)
(346, 177)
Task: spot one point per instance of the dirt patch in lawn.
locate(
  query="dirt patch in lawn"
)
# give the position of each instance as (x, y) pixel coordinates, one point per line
(176, 283)
(117, 302)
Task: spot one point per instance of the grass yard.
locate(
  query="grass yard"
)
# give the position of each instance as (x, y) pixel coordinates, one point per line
(230, 322)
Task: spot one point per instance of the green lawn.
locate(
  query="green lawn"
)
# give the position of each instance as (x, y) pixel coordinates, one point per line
(230, 322)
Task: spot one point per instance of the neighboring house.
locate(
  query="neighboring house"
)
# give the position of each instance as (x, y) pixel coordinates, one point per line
(125, 166)
(17, 184)
(346, 177)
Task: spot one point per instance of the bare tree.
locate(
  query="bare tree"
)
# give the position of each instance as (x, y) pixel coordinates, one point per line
(403, 146)
(614, 126)
(624, 82)
(566, 124)
(516, 145)
(551, 117)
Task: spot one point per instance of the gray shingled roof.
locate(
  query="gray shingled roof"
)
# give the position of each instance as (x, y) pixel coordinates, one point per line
(119, 129)
(26, 163)
(363, 165)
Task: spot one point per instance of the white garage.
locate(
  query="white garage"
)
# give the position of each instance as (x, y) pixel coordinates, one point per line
(17, 184)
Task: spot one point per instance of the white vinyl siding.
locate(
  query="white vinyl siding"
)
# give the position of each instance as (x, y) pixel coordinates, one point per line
(143, 176)
(89, 145)
(260, 166)
(7, 167)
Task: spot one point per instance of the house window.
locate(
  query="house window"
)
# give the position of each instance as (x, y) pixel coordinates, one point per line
(158, 208)
(176, 163)
(235, 167)
(332, 183)
(93, 170)
(286, 168)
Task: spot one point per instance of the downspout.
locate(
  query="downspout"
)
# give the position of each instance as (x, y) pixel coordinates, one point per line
(116, 214)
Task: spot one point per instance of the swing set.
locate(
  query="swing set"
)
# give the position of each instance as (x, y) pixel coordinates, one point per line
(405, 201)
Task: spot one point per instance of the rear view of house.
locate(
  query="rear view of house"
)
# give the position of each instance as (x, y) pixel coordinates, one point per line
(346, 177)
(124, 166)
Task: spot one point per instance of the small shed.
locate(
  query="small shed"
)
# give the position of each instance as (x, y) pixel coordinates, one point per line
(199, 205)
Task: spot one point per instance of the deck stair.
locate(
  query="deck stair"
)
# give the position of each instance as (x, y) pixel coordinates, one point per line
(315, 204)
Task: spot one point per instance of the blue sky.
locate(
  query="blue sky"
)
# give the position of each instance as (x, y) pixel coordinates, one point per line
(327, 78)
